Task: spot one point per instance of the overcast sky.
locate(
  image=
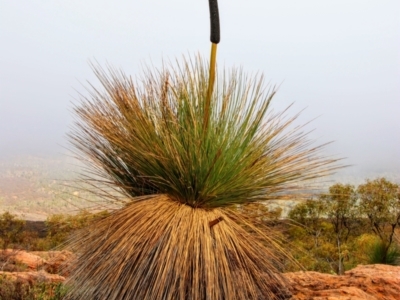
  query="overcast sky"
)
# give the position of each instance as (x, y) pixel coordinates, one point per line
(338, 59)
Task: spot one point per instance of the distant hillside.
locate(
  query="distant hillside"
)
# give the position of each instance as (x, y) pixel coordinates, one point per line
(34, 187)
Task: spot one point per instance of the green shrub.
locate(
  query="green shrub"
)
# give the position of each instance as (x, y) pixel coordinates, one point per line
(381, 253)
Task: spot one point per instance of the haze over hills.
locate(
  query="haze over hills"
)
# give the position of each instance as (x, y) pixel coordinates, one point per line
(34, 187)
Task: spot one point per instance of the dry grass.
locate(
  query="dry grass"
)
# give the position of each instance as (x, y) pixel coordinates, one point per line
(161, 249)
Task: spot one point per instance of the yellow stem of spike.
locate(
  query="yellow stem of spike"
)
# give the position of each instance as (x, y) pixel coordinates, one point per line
(211, 81)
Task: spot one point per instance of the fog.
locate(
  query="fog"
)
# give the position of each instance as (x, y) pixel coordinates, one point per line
(338, 60)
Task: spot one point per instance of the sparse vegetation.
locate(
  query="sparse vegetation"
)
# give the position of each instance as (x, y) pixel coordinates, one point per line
(14, 232)
(11, 230)
(347, 226)
(312, 240)
(23, 290)
(60, 227)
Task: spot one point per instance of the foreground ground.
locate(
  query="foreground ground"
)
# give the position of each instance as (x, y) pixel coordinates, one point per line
(363, 282)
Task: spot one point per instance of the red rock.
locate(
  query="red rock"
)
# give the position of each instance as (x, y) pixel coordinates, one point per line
(50, 261)
(55, 261)
(363, 282)
(40, 265)
(371, 282)
(32, 261)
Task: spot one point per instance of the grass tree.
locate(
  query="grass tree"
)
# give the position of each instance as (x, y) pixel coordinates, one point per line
(184, 151)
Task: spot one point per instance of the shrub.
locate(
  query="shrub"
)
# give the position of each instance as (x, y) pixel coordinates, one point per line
(61, 226)
(11, 289)
(381, 253)
(11, 230)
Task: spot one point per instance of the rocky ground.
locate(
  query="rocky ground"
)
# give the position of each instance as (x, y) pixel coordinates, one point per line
(368, 282)
(30, 267)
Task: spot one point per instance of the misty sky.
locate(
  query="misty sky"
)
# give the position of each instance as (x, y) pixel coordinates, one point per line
(338, 59)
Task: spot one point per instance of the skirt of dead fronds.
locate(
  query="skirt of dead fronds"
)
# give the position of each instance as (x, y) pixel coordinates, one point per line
(162, 249)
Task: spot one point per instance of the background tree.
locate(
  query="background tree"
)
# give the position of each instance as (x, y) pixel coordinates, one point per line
(310, 237)
(380, 202)
(341, 212)
(310, 215)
